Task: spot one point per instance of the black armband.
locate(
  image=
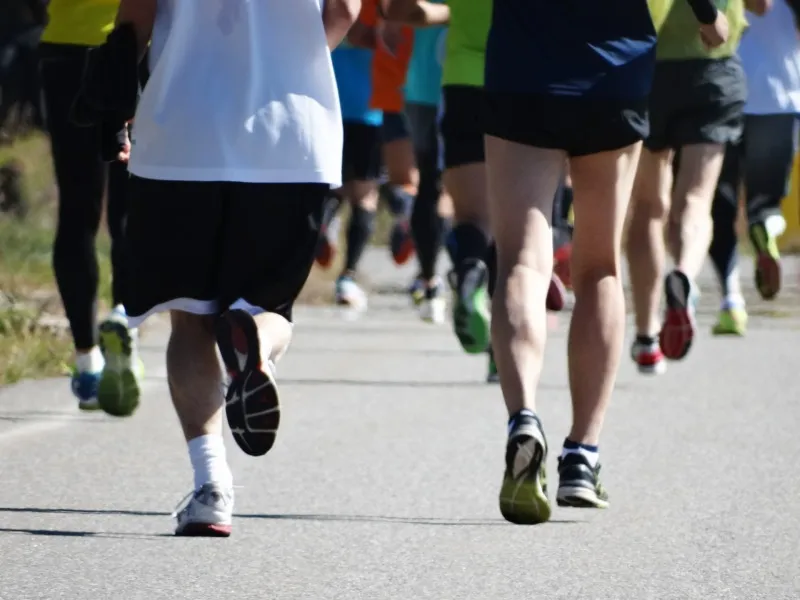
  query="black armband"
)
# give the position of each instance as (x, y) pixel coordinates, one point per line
(704, 10)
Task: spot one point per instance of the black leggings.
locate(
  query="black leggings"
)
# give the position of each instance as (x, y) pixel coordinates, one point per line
(427, 226)
(762, 159)
(81, 176)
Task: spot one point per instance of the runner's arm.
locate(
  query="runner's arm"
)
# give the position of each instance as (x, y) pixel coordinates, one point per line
(704, 10)
(141, 14)
(418, 13)
(337, 18)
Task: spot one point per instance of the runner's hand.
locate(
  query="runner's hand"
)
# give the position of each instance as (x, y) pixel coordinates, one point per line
(716, 33)
(124, 154)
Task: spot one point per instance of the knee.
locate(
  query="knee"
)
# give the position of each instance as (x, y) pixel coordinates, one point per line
(650, 207)
(184, 322)
(589, 268)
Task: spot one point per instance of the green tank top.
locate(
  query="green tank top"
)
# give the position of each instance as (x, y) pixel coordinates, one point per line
(466, 42)
(679, 39)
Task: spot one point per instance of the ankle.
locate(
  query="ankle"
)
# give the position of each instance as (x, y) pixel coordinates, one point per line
(89, 361)
(209, 461)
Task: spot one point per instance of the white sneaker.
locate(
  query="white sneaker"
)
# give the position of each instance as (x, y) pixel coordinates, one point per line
(208, 512)
(433, 308)
(349, 293)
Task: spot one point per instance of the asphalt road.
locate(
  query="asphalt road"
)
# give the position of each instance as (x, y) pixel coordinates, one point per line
(384, 480)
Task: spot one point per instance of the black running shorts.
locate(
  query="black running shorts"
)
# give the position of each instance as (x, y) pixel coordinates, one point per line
(697, 102)
(462, 125)
(201, 246)
(577, 125)
(361, 156)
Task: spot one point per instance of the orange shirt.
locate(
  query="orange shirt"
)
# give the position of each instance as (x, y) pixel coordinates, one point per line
(388, 72)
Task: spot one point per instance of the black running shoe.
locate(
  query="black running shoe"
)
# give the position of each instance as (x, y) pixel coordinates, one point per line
(523, 496)
(579, 484)
(251, 403)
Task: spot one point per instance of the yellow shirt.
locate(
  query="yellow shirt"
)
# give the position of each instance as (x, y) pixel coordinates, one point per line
(80, 22)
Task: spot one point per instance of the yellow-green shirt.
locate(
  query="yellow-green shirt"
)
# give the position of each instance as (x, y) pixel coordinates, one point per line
(678, 35)
(80, 22)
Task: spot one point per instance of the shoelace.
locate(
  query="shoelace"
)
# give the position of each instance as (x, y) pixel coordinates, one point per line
(187, 500)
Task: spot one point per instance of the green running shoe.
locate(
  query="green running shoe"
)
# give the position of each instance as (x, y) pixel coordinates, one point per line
(471, 308)
(118, 392)
(523, 495)
(731, 321)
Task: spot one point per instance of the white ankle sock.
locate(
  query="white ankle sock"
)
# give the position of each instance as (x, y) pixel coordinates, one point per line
(90, 362)
(210, 465)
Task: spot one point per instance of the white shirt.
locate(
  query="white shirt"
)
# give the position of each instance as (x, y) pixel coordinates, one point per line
(770, 53)
(240, 90)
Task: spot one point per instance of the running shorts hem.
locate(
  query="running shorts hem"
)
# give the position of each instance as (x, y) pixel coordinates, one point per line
(579, 126)
(395, 127)
(187, 305)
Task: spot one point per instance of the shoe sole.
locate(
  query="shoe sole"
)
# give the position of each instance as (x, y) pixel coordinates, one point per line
(561, 268)
(523, 495)
(89, 405)
(251, 403)
(325, 254)
(118, 391)
(579, 497)
(402, 251)
(658, 368)
(727, 332)
(678, 330)
(204, 530)
(768, 276)
(768, 266)
(556, 295)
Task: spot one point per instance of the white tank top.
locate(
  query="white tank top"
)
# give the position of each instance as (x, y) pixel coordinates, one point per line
(240, 90)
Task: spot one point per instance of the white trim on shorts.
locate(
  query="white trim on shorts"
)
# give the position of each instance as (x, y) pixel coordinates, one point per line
(195, 307)
(189, 305)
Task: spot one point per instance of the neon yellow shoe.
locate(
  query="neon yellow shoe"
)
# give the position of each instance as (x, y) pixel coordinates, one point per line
(118, 392)
(731, 321)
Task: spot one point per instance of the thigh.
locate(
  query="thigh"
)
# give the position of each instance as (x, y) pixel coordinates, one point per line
(361, 155)
(462, 125)
(173, 235)
(270, 242)
(770, 144)
(698, 173)
(602, 185)
(522, 181)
